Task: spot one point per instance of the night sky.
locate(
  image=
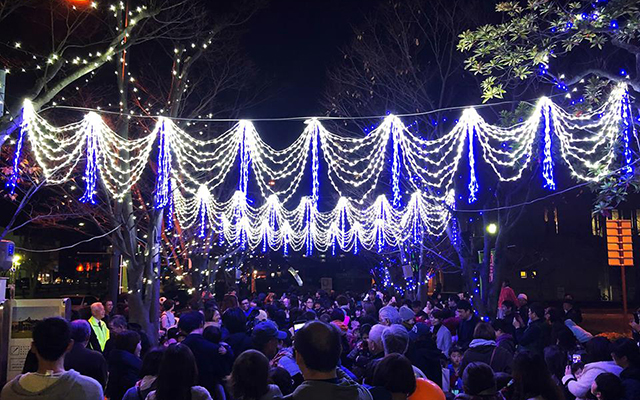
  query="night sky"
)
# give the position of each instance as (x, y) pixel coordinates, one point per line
(293, 43)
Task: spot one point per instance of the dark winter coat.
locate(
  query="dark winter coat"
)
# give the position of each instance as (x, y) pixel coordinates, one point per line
(124, 369)
(465, 331)
(87, 362)
(507, 342)
(630, 377)
(531, 338)
(499, 359)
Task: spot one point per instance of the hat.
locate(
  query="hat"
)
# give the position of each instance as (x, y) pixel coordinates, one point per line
(419, 330)
(262, 315)
(406, 314)
(523, 296)
(267, 330)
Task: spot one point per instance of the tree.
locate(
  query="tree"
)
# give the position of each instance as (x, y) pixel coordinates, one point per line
(537, 39)
(198, 53)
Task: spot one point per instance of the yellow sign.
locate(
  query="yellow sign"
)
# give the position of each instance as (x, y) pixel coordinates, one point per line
(619, 243)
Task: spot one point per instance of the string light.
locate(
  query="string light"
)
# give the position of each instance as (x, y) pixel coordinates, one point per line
(190, 170)
(547, 163)
(15, 170)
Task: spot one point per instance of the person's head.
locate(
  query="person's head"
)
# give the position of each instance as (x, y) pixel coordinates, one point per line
(117, 324)
(485, 331)
(250, 375)
(212, 334)
(128, 341)
(337, 314)
(395, 373)
(151, 362)
(607, 386)
(464, 310)
(318, 347)
(452, 301)
(178, 373)
(508, 307)
(375, 338)
(51, 339)
(244, 305)
(191, 321)
(80, 331)
(567, 305)
(235, 320)
(266, 337)
(308, 303)
(168, 305)
(625, 353)
(598, 349)
(395, 339)
(281, 378)
(97, 311)
(108, 306)
(342, 301)
(522, 300)
(407, 315)
(416, 306)
(478, 379)
(565, 338)
(532, 378)
(553, 315)
(389, 315)
(536, 312)
(506, 283)
(456, 355)
(500, 326)
(436, 317)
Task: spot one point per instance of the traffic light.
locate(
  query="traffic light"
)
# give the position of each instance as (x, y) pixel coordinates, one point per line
(619, 243)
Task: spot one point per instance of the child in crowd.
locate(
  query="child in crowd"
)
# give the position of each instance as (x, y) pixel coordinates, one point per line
(455, 376)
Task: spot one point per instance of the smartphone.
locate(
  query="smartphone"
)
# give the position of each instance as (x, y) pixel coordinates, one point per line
(576, 358)
(297, 326)
(636, 317)
(455, 391)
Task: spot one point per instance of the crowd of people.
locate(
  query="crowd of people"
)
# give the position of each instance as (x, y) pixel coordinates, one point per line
(330, 346)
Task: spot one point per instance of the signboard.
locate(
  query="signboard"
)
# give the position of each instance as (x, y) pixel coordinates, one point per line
(25, 314)
(326, 284)
(619, 243)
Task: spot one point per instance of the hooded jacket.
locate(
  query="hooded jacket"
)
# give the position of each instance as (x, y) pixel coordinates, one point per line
(582, 387)
(486, 351)
(70, 386)
(124, 369)
(341, 389)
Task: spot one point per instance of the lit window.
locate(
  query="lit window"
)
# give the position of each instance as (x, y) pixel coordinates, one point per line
(534, 274)
(523, 274)
(615, 214)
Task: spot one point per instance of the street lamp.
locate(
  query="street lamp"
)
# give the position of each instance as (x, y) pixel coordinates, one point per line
(492, 229)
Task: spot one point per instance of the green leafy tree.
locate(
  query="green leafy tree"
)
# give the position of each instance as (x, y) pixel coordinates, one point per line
(536, 37)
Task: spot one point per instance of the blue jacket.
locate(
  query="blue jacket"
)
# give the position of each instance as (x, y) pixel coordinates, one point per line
(630, 377)
(212, 367)
(124, 369)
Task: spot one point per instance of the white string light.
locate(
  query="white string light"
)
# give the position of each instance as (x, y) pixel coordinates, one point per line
(194, 169)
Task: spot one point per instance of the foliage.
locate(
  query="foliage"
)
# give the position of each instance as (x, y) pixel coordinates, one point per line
(534, 32)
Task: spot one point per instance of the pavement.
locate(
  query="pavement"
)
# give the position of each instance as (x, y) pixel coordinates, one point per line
(605, 320)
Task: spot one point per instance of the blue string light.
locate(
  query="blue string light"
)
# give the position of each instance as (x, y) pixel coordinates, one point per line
(170, 210)
(202, 216)
(315, 168)
(395, 168)
(309, 223)
(164, 169)
(91, 168)
(547, 163)
(380, 228)
(15, 170)
(285, 244)
(221, 232)
(628, 131)
(473, 182)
